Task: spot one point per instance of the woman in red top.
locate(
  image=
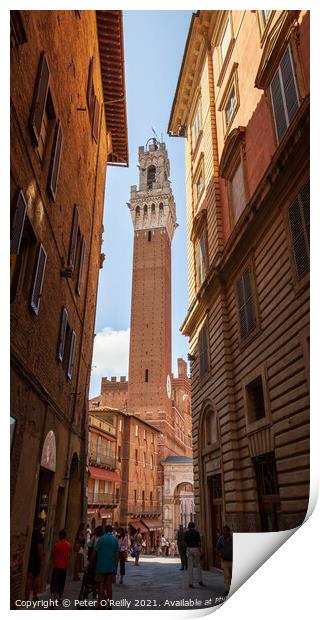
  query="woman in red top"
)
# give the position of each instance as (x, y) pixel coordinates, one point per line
(60, 560)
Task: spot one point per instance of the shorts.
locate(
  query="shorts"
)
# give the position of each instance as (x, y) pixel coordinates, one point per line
(58, 580)
(104, 577)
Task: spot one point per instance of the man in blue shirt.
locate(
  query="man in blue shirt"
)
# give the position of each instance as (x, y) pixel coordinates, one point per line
(106, 556)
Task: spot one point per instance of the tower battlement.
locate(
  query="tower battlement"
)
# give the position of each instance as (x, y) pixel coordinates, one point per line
(152, 203)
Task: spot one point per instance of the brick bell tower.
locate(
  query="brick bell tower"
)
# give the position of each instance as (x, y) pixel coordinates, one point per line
(153, 215)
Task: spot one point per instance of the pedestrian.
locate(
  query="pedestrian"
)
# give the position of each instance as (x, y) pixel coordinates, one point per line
(193, 543)
(35, 561)
(143, 545)
(172, 548)
(94, 539)
(225, 548)
(123, 551)
(60, 560)
(167, 548)
(163, 543)
(78, 549)
(137, 546)
(182, 547)
(105, 557)
(88, 534)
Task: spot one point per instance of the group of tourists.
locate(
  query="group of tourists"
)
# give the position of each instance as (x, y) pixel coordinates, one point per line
(99, 555)
(189, 547)
(166, 547)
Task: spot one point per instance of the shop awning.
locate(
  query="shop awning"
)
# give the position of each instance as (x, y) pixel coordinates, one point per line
(136, 523)
(153, 524)
(91, 511)
(104, 474)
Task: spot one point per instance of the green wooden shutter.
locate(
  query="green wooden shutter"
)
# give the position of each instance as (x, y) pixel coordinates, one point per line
(55, 162)
(62, 334)
(74, 237)
(39, 99)
(18, 219)
(38, 280)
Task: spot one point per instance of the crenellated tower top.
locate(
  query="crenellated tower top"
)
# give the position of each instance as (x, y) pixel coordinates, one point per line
(152, 205)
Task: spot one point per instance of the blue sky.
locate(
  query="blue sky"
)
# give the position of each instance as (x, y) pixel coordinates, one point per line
(154, 44)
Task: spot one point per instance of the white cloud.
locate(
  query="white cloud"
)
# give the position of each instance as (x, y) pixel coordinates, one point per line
(111, 353)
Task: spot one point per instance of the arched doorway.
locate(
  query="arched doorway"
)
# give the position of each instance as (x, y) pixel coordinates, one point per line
(73, 514)
(211, 480)
(183, 504)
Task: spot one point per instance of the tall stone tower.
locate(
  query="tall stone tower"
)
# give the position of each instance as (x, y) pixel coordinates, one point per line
(153, 215)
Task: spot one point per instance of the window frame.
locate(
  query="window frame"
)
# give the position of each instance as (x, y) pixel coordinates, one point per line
(284, 102)
(223, 62)
(198, 172)
(243, 341)
(253, 426)
(233, 82)
(299, 283)
(264, 25)
(204, 375)
(201, 237)
(196, 138)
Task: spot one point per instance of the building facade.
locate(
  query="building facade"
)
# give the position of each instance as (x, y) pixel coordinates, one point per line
(242, 104)
(63, 133)
(123, 470)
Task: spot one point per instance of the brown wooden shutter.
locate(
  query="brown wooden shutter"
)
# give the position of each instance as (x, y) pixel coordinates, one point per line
(62, 335)
(96, 119)
(242, 309)
(39, 99)
(247, 321)
(299, 219)
(55, 162)
(18, 219)
(74, 237)
(278, 106)
(90, 83)
(38, 280)
(203, 351)
(82, 256)
(72, 352)
(289, 85)
(251, 322)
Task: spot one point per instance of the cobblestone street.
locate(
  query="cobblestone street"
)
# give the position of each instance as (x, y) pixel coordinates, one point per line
(156, 583)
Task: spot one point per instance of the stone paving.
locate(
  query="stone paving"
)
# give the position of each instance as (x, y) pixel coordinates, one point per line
(156, 583)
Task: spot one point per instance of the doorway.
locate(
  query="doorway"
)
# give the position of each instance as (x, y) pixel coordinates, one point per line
(215, 501)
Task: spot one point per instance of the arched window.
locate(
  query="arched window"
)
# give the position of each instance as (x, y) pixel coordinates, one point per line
(137, 210)
(151, 176)
(210, 428)
(145, 209)
(153, 208)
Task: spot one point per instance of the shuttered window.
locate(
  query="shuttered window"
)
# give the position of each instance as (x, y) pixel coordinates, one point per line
(62, 335)
(81, 263)
(72, 352)
(96, 119)
(38, 280)
(201, 259)
(284, 94)
(299, 220)
(55, 162)
(203, 346)
(247, 318)
(39, 99)
(90, 83)
(73, 238)
(17, 224)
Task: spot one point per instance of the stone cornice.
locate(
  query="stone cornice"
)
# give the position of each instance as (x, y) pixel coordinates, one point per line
(196, 47)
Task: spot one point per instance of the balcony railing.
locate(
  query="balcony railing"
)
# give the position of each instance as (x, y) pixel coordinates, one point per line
(103, 499)
(151, 508)
(102, 460)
